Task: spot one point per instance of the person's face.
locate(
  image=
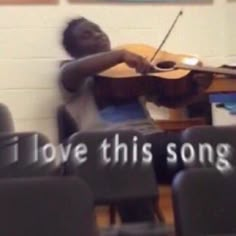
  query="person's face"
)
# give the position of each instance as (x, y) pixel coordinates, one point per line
(90, 38)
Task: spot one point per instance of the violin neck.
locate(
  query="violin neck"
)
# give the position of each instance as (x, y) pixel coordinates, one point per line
(207, 69)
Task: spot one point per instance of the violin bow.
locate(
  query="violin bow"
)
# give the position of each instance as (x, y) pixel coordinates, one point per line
(167, 35)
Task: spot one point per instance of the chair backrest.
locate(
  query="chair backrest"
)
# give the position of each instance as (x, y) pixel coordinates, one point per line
(46, 206)
(211, 146)
(201, 108)
(111, 176)
(204, 202)
(24, 155)
(6, 120)
(65, 123)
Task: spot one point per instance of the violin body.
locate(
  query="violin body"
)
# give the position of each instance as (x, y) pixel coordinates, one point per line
(168, 88)
(123, 71)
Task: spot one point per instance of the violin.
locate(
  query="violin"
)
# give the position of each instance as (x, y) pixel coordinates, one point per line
(162, 65)
(165, 66)
(176, 79)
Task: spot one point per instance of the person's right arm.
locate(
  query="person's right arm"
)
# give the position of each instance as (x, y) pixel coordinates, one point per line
(75, 72)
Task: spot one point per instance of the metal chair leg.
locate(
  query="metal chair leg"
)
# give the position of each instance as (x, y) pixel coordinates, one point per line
(159, 212)
(112, 214)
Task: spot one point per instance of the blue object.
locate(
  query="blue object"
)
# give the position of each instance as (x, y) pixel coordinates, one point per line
(223, 98)
(122, 113)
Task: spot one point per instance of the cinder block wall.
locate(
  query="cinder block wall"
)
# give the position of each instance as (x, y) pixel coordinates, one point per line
(30, 49)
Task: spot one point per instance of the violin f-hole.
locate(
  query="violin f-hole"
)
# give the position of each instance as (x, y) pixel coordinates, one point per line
(165, 66)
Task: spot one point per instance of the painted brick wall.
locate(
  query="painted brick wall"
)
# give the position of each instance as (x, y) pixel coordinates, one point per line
(30, 46)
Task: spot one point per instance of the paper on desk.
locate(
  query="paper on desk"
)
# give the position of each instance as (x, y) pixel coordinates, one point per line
(157, 112)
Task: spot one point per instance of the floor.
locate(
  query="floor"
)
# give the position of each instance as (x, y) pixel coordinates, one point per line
(165, 205)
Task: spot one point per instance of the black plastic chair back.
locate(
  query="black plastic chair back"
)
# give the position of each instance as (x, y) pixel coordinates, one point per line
(115, 178)
(6, 120)
(204, 202)
(211, 146)
(66, 125)
(46, 206)
(26, 155)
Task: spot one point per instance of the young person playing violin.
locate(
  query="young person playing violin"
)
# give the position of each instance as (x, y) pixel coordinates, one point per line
(91, 51)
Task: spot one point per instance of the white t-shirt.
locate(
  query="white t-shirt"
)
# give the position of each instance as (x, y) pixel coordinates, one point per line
(81, 106)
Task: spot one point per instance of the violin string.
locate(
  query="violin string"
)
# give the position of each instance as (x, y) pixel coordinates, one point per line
(167, 35)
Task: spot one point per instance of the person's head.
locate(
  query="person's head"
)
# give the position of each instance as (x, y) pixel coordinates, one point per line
(82, 37)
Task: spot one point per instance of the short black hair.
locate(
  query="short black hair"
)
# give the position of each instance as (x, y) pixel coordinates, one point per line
(69, 41)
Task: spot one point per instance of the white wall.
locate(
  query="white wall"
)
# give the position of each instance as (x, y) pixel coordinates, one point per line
(30, 46)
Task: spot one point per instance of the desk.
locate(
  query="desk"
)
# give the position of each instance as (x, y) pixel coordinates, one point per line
(221, 84)
(179, 125)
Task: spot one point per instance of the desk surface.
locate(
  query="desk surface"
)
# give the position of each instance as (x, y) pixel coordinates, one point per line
(221, 84)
